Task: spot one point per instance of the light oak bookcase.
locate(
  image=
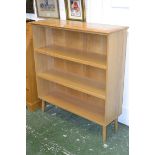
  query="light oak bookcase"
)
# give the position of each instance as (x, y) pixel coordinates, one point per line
(80, 68)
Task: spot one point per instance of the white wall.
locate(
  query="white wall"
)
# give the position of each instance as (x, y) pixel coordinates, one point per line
(106, 12)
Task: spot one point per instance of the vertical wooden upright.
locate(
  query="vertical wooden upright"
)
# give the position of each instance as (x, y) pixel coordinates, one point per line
(32, 100)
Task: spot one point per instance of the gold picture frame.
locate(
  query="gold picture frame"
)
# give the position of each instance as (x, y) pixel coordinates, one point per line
(75, 10)
(47, 8)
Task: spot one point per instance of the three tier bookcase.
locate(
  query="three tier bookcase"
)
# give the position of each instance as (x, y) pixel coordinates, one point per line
(80, 68)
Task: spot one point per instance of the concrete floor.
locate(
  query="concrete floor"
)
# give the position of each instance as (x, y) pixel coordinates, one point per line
(58, 132)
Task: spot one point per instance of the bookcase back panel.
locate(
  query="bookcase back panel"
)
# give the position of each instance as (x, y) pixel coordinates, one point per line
(83, 42)
(80, 69)
(95, 44)
(68, 66)
(43, 62)
(84, 105)
(78, 94)
(69, 91)
(95, 73)
(47, 88)
(43, 87)
(56, 38)
(39, 35)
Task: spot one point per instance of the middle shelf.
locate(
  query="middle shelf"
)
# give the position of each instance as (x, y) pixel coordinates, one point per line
(87, 58)
(75, 82)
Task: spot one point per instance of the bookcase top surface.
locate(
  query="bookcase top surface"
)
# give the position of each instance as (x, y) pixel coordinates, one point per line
(80, 26)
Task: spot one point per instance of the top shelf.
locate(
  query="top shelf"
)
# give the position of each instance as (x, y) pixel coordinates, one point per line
(101, 29)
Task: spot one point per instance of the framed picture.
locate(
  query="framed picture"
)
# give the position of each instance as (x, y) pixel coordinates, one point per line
(75, 10)
(47, 8)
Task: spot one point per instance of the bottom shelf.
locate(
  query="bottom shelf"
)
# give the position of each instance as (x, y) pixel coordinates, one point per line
(82, 108)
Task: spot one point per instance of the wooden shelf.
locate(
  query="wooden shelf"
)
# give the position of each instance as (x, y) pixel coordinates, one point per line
(76, 106)
(75, 82)
(91, 59)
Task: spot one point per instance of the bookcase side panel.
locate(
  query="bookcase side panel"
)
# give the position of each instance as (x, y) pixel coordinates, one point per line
(115, 74)
(31, 87)
(96, 44)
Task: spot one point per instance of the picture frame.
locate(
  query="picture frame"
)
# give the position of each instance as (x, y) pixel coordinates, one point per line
(47, 8)
(75, 10)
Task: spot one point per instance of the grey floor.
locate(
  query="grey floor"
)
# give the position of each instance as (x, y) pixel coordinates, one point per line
(58, 132)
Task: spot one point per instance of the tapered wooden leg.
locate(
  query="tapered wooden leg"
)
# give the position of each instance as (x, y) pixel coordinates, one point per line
(104, 133)
(43, 106)
(116, 124)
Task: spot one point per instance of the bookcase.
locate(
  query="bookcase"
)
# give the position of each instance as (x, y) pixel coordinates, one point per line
(80, 68)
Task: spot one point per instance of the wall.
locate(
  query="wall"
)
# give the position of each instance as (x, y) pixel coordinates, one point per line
(106, 12)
